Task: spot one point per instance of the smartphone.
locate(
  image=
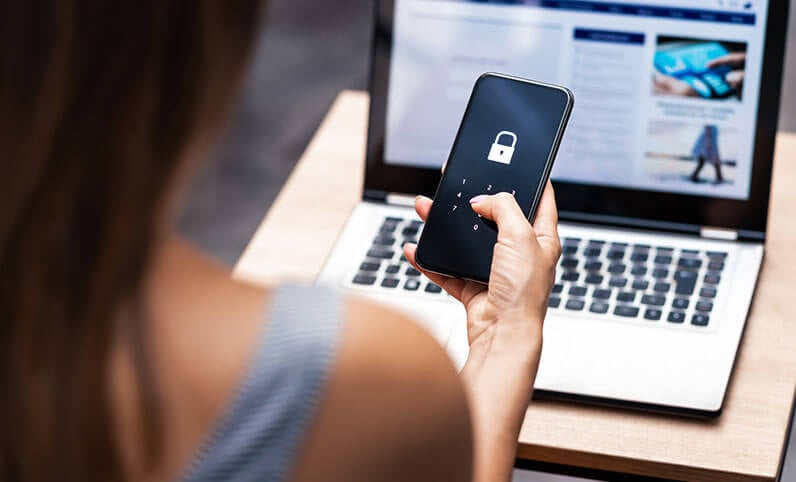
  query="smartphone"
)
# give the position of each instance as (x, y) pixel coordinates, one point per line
(507, 141)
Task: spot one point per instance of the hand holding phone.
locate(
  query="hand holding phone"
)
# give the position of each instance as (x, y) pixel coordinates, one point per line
(507, 142)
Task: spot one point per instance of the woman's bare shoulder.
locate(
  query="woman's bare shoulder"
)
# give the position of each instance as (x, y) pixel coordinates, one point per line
(391, 388)
(394, 407)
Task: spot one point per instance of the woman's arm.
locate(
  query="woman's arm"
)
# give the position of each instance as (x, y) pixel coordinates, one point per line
(504, 324)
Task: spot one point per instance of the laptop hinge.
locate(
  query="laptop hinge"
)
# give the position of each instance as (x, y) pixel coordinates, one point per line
(400, 199)
(718, 233)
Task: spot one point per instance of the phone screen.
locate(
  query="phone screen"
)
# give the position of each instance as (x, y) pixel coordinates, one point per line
(506, 143)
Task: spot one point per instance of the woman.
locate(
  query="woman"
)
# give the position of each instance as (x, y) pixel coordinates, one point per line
(125, 354)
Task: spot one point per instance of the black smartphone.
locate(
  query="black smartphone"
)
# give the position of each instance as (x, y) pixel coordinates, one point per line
(507, 142)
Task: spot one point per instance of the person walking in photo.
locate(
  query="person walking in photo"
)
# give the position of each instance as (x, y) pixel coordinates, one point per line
(706, 149)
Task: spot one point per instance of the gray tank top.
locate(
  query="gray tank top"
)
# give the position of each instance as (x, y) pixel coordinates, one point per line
(261, 433)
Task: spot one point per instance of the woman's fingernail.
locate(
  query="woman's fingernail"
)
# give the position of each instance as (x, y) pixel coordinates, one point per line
(477, 199)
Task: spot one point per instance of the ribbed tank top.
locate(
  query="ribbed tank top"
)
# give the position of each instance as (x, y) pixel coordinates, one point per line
(261, 433)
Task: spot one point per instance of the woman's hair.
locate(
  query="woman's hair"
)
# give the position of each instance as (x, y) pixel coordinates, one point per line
(99, 102)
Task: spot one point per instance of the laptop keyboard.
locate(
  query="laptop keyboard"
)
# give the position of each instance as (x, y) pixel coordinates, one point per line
(637, 281)
(594, 277)
(385, 267)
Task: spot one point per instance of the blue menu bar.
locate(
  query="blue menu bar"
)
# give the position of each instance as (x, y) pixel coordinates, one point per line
(678, 13)
(609, 36)
(649, 11)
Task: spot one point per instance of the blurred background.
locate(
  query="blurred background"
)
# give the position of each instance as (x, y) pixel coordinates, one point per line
(307, 53)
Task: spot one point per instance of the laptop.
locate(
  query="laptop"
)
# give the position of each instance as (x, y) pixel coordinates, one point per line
(662, 179)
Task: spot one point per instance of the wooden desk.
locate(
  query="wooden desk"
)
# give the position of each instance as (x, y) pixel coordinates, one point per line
(746, 443)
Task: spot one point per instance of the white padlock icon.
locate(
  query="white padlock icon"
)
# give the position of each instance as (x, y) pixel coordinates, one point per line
(503, 153)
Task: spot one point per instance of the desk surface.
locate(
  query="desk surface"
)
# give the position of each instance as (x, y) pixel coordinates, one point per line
(745, 443)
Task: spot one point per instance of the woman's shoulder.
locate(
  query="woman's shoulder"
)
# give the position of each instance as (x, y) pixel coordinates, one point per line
(394, 407)
(372, 371)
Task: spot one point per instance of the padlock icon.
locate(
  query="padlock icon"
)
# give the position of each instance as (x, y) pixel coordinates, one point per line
(503, 153)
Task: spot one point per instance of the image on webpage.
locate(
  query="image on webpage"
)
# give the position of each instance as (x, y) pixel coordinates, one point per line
(709, 69)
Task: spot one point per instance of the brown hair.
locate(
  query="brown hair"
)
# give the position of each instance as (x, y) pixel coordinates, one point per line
(99, 101)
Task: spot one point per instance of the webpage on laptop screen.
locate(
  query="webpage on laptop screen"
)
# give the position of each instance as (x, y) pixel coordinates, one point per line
(665, 91)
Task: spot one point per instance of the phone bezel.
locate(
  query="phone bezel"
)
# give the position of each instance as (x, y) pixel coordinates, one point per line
(559, 135)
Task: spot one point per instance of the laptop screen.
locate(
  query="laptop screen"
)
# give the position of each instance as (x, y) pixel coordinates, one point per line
(666, 91)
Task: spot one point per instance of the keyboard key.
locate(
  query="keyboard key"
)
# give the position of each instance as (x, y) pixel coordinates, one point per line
(639, 270)
(557, 288)
(592, 252)
(403, 258)
(716, 265)
(390, 219)
(700, 320)
(369, 266)
(676, 317)
(626, 311)
(410, 231)
(570, 276)
(364, 279)
(680, 303)
(615, 255)
(690, 252)
(660, 273)
(626, 296)
(593, 266)
(433, 288)
(599, 307)
(665, 250)
(554, 302)
(712, 279)
(686, 282)
(393, 269)
(691, 263)
(577, 291)
(596, 242)
(716, 254)
(707, 292)
(662, 287)
(618, 282)
(569, 250)
(653, 314)
(416, 223)
(620, 246)
(390, 282)
(653, 300)
(410, 271)
(384, 241)
(662, 259)
(412, 285)
(617, 268)
(575, 305)
(640, 284)
(601, 294)
(380, 254)
(569, 263)
(642, 247)
(387, 228)
(594, 279)
(639, 257)
(704, 306)
(571, 240)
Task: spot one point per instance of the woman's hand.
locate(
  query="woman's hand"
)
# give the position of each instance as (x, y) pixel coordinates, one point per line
(523, 268)
(504, 324)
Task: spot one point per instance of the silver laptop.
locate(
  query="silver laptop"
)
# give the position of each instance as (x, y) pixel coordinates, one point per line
(662, 180)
